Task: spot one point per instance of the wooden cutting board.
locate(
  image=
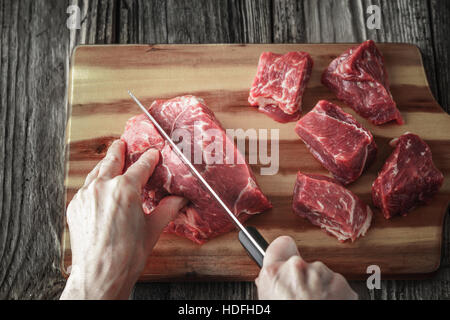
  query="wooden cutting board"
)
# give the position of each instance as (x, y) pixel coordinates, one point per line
(222, 74)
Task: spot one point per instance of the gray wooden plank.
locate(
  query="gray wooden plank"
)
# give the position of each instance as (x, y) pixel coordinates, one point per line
(35, 48)
(334, 21)
(142, 21)
(33, 53)
(195, 291)
(199, 21)
(97, 22)
(440, 16)
(435, 288)
(289, 23)
(440, 27)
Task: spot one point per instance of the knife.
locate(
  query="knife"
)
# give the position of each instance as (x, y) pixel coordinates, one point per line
(249, 237)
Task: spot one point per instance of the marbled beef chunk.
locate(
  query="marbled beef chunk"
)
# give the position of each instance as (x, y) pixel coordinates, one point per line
(408, 178)
(329, 205)
(202, 218)
(337, 141)
(279, 84)
(359, 78)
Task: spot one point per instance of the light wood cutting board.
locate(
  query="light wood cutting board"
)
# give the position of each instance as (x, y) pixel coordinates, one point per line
(222, 74)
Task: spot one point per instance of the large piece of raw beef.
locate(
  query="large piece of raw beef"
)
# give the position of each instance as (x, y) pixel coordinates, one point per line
(359, 78)
(279, 84)
(329, 205)
(202, 218)
(408, 178)
(337, 140)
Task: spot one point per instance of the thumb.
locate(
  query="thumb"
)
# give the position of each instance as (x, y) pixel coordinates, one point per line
(166, 211)
(280, 250)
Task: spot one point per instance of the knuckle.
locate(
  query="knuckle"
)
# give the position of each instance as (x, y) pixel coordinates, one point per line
(318, 264)
(95, 186)
(125, 186)
(144, 163)
(269, 271)
(111, 158)
(295, 261)
(124, 181)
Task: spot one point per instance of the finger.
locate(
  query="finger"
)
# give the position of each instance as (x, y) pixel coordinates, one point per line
(92, 175)
(293, 274)
(280, 250)
(165, 212)
(142, 169)
(112, 165)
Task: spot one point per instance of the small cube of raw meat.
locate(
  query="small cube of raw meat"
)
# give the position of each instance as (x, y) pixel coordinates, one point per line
(279, 84)
(359, 78)
(202, 218)
(407, 179)
(329, 205)
(337, 140)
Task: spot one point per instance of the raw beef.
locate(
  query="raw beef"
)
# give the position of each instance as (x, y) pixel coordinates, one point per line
(202, 218)
(359, 78)
(408, 178)
(337, 140)
(279, 84)
(327, 204)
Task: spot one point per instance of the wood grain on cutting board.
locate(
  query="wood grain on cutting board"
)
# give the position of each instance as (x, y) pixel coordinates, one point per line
(222, 75)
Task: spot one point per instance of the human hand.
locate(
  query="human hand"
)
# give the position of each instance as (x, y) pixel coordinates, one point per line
(110, 235)
(286, 276)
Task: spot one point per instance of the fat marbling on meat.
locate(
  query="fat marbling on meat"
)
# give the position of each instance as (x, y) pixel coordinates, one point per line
(337, 141)
(329, 205)
(407, 179)
(279, 84)
(359, 78)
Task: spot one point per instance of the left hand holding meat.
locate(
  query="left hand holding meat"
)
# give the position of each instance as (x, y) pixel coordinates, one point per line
(110, 236)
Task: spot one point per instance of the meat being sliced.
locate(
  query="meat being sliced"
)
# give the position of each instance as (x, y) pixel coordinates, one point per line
(329, 205)
(337, 140)
(279, 84)
(359, 78)
(407, 179)
(189, 119)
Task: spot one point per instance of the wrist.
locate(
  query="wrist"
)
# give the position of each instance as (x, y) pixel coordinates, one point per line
(83, 286)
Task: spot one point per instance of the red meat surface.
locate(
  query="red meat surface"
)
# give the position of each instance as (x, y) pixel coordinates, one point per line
(337, 141)
(329, 205)
(358, 77)
(279, 84)
(203, 218)
(408, 178)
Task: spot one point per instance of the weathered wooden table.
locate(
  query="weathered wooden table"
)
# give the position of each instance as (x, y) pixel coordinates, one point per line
(35, 46)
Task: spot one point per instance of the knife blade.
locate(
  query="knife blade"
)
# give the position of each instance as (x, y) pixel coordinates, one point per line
(253, 242)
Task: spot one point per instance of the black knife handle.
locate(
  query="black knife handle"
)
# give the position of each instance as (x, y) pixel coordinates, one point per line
(252, 251)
